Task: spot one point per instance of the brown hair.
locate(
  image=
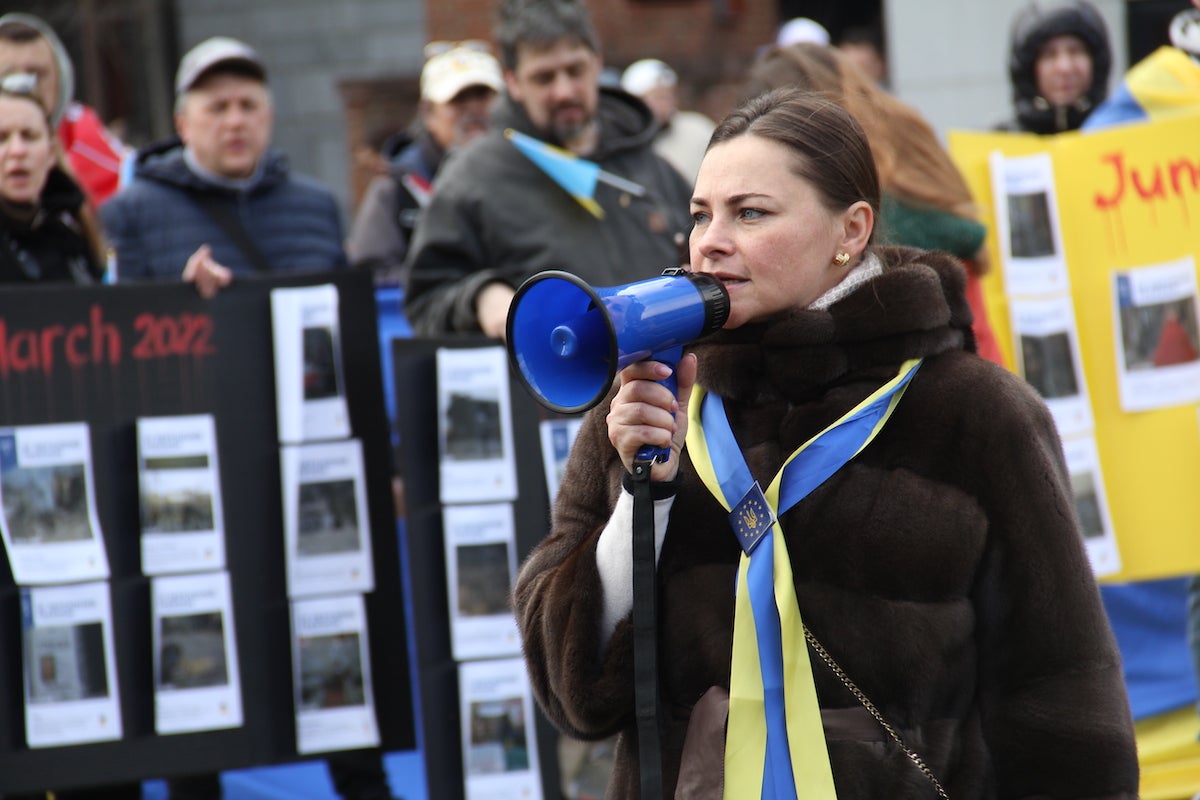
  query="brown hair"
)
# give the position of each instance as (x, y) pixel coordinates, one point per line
(831, 148)
(84, 215)
(911, 162)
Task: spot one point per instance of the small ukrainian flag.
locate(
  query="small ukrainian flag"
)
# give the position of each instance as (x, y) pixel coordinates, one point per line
(576, 175)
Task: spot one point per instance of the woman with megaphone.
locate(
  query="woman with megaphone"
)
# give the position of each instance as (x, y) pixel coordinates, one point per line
(871, 577)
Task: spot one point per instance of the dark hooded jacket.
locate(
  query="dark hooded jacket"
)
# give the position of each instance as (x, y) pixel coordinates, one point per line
(1034, 26)
(383, 227)
(942, 568)
(159, 220)
(495, 216)
(46, 243)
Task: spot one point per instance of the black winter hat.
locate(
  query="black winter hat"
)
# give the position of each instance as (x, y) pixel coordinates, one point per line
(1033, 27)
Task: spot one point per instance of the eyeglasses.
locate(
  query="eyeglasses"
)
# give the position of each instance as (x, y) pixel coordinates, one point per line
(19, 82)
(441, 47)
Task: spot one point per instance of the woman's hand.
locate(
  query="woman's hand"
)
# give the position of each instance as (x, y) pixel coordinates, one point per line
(644, 412)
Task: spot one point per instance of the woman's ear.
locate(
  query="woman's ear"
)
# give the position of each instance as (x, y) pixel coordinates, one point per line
(857, 224)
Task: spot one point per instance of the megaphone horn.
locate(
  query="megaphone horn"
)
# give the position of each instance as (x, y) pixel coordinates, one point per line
(567, 340)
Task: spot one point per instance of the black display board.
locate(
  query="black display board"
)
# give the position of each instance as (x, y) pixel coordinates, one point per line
(415, 366)
(105, 356)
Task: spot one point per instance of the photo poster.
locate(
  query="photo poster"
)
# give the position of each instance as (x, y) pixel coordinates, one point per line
(557, 438)
(1128, 205)
(499, 742)
(49, 520)
(481, 565)
(183, 527)
(335, 707)
(476, 460)
(1158, 339)
(1091, 502)
(1047, 348)
(310, 387)
(1027, 224)
(326, 523)
(197, 685)
(71, 694)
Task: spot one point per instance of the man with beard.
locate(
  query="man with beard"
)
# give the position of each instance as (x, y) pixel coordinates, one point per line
(495, 218)
(458, 86)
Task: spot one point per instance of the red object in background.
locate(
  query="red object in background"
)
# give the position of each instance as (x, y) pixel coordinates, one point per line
(93, 154)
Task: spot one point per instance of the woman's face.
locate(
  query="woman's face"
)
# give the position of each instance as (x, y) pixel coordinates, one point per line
(26, 150)
(764, 232)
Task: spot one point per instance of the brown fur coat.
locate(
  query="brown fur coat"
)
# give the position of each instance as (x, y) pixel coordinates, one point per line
(943, 567)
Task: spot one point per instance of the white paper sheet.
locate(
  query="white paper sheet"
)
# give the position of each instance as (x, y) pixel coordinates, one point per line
(309, 386)
(1046, 342)
(1027, 224)
(326, 524)
(1157, 333)
(197, 684)
(558, 436)
(335, 706)
(500, 756)
(183, 527)
(481, 563)
(475, 435)
(71, 693)
(49, 521)
(1087, 482)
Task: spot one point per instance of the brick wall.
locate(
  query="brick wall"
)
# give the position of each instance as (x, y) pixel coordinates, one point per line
(708, 42)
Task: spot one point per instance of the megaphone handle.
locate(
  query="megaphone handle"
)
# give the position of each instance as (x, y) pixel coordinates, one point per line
(650, 453)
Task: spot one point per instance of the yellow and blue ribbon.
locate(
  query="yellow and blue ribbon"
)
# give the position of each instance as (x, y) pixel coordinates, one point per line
(775, 740)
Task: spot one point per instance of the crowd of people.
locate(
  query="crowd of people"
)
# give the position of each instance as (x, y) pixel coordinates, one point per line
(959, 599)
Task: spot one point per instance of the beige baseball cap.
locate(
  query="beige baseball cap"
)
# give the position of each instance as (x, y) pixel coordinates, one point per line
(448, 73)
(214, 52)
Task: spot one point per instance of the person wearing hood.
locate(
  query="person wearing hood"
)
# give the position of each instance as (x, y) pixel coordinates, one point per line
(495, 217)
(1058, 65)
(29, 48)
(47, 232)
(684, 133)
(218, 201)
(459, 83)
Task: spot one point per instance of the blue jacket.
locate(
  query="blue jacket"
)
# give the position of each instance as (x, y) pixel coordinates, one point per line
(156, 223)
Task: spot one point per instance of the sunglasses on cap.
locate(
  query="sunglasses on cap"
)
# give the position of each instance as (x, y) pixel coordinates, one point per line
(439, 47)
(19, 83)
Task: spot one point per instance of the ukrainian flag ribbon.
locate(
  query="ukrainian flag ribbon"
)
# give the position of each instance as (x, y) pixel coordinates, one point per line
(774, 742)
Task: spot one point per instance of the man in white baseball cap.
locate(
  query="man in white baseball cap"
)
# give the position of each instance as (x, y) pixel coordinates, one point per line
(683, 135)
(459, 83)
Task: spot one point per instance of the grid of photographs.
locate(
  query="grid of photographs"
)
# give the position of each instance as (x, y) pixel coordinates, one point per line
(327, 533)
(478, 480)
(1046, 335)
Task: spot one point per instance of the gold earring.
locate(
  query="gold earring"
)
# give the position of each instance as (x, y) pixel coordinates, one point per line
(842, 259)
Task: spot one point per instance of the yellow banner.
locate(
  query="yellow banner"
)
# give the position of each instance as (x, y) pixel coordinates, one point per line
(1128, 202)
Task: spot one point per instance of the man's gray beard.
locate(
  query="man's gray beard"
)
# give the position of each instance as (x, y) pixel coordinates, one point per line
(567, 133)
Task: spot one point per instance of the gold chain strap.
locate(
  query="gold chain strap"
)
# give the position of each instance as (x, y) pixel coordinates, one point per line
(874, 712)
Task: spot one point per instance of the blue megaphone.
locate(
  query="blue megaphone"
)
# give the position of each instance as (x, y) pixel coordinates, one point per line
(568, 340)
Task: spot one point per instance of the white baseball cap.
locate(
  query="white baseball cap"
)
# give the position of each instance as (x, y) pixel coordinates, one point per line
(802, 29)
(649, 73)
(448, 73)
